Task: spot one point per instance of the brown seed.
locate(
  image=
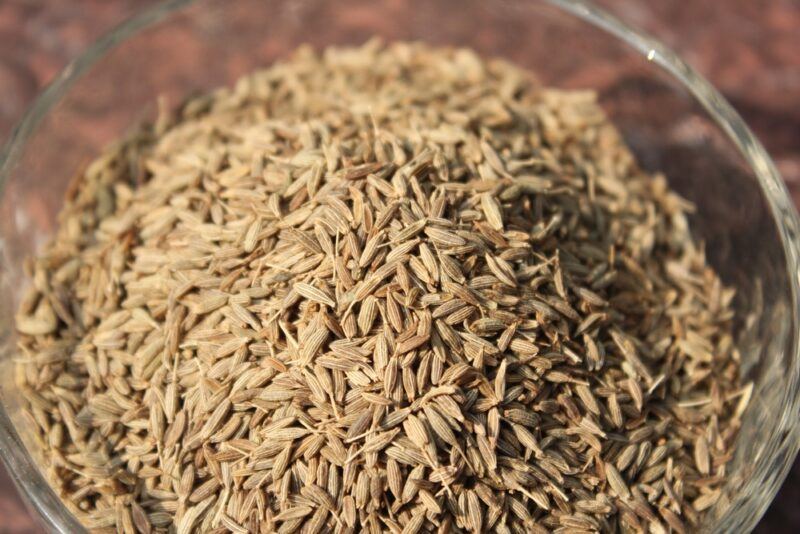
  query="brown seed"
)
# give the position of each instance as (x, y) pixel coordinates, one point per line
(474, 511)
(468, 309)
(312, 293)
(701, 455)
(617, 483)
(443, 237)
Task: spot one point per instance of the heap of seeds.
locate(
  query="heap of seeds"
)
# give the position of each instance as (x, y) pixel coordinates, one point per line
(385, 289)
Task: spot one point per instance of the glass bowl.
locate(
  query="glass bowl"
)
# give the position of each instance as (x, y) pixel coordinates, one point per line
(672, 118)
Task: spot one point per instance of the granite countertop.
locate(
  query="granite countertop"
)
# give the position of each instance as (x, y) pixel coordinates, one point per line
(749, 49)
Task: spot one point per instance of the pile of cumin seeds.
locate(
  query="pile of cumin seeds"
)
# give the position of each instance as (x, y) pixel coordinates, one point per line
(381, 289)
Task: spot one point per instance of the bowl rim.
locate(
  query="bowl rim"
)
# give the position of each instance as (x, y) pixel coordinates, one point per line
(49, 508)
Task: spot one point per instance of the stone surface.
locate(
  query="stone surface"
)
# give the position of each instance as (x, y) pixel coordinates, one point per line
(749, 49)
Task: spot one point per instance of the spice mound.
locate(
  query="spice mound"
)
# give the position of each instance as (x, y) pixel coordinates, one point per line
(382, 289)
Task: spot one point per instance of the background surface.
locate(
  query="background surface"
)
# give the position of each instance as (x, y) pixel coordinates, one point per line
(749, 49)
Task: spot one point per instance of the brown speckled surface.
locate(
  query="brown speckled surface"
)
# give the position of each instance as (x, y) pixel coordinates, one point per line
(749, 49)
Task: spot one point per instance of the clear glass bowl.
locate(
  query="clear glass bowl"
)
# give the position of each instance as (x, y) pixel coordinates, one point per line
(674, 120)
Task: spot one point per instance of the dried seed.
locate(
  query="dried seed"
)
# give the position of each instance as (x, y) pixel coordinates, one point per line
(467, 309)
(312, 293)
